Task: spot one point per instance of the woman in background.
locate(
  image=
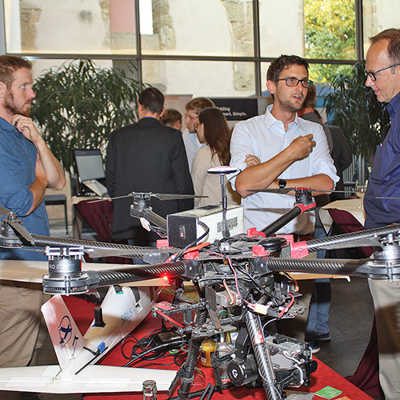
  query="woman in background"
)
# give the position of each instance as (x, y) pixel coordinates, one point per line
(214, 131)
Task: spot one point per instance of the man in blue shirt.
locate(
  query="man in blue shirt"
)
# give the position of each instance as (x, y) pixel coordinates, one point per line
(383, 76)
(27, 168)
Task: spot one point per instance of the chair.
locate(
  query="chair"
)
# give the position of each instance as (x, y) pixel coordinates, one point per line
(57, 200)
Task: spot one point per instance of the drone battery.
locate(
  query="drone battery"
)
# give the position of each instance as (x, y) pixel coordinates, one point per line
(185, 227)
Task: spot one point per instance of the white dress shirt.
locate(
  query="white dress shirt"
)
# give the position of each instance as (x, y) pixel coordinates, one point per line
(192, 145)
(265, 137)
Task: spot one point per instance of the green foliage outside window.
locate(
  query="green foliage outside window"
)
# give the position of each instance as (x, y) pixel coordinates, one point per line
(329, 33)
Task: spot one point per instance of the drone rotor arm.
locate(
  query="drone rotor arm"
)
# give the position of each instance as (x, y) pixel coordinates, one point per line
(96, 249)
(282, 221)
(316, 266)
(370, 268)
(157, 220)
(78, 282)
(370, 237)
(138, 272)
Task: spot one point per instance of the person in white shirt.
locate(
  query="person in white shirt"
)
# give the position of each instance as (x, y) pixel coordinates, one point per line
(190, 140)
(293, 152)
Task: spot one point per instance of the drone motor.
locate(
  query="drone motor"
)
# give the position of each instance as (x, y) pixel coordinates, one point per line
(65, 274)
(8, 238)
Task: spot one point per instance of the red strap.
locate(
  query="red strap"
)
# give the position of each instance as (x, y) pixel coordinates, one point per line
(259, 250)
(162, 243)
(299, 250)
(305, 208)
(253, 232)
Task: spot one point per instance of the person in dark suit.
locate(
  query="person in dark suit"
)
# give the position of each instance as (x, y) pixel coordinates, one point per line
(342, 158)
(146, 157)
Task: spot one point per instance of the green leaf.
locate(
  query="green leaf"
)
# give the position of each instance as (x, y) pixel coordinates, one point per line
(79, 105)
(362, 117)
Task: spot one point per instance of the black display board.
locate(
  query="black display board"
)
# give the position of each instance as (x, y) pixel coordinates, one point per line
(237, 109)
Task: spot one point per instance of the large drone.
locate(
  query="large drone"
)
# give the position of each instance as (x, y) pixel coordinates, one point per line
(243, 285)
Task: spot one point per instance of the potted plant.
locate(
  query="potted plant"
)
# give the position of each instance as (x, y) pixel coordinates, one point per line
(356, 110)
(78, 105)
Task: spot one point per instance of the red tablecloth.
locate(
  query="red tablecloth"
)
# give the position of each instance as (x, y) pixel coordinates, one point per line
(98, 214)
(324, 376)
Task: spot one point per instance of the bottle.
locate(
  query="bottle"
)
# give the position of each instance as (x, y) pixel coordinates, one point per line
(206, 349)
(149, 390)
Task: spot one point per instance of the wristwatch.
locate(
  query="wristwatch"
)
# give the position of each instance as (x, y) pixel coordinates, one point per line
(282, 183)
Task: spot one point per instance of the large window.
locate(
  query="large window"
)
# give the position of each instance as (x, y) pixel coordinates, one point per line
(379, 15)
(207, 47)
(281, 27)
(329, 29)
(198, 28)
(70, 27)
(202, 78)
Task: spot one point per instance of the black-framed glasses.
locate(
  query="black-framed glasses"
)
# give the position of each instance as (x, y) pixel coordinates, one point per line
(372, 74)
(292, 82)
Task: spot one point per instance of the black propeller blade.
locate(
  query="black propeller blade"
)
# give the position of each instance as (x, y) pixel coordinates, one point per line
(16, 225)
(295, 189)
(4, 211)
(159, 196)
(19, 228)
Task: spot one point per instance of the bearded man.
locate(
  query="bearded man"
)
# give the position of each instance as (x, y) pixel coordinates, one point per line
(27, 168)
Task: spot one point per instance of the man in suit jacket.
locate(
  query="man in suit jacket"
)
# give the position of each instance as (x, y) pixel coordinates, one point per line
(146, 157)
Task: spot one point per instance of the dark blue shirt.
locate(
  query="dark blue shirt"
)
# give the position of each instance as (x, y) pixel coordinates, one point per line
(385, 176)
(17, 173)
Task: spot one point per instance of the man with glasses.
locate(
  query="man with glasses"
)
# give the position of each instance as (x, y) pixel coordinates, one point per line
(381, 201)
(292, 151)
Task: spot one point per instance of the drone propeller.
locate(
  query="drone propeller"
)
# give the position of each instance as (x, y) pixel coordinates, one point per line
(19, 228)
(159, 196)
(18, 235)
(16, 226)
(286, 190)
(4, 211)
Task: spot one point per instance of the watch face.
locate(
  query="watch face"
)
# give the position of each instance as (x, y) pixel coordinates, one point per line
(282, 183)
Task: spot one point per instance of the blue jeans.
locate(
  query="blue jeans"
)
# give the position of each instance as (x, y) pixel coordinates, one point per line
(318, 316)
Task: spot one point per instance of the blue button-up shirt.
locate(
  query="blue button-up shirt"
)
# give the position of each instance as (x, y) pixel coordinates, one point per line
(17, 173)
(384, 180)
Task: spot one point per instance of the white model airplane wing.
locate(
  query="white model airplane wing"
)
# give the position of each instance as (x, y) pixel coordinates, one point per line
(93, 379)
(122, 310)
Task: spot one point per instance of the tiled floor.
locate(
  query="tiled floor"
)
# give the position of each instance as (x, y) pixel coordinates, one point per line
(351, 319)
